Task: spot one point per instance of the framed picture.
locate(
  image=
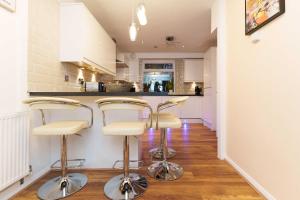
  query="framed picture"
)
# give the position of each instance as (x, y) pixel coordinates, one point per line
(260, 12)
(8, 4)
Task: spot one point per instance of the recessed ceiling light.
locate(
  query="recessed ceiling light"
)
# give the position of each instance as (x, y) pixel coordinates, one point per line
(182, 46)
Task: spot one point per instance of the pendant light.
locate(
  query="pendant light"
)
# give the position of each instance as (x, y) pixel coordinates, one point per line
(141, 14)
(132, 28)
(133, 32)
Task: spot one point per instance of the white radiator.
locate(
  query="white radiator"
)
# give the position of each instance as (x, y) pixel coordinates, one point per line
(14, 148)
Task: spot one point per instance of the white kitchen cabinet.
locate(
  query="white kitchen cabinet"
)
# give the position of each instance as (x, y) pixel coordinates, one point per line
(192, 108)
(122, 73)
(83, 41)
(207, 71)
(134, 70)
(175, 110)
(210, 88)
(193, 70)
(131, 62)
(210, 66)
(208, 107)
(122, 58)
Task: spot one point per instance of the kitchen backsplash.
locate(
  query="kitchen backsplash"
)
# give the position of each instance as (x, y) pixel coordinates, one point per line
(189, 88)
(179, 76)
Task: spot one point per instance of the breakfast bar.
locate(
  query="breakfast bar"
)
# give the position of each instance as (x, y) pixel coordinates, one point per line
(92, 145)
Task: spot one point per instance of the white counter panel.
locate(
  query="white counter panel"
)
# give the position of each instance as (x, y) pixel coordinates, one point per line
(100, 151)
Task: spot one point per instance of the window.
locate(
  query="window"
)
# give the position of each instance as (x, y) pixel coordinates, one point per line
(158, 75)
(158, 65)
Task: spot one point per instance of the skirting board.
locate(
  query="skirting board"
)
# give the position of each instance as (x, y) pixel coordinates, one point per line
(250, 179)
(192, 120)
(14, 189)
(207, 124)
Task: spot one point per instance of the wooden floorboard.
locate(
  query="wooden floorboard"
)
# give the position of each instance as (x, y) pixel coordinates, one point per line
(205, 177)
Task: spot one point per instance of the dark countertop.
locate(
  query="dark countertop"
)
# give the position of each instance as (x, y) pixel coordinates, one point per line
(106, 94)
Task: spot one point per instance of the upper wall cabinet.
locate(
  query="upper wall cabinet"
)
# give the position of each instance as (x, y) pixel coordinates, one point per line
(193, 70)
(84, 41)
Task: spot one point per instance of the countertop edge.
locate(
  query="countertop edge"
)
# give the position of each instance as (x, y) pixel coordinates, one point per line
(107, 94)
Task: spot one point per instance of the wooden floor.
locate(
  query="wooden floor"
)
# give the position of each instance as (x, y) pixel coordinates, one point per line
(205, 177)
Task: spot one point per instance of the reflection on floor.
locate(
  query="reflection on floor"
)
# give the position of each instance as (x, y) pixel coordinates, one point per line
(205, 177)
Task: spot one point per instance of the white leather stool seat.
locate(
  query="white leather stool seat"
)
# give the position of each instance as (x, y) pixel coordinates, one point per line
(50, 99)
(177, 100)
(61, 128)
(124, 128)
(165, 120)
(163, 114)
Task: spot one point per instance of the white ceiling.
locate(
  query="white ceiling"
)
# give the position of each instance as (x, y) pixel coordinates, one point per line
(187, 20)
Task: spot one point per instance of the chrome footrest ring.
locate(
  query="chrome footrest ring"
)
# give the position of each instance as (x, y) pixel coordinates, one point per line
(72, 164)
(119, 164)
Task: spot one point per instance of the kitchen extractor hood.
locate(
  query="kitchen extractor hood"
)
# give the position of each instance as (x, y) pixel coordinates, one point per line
(121, 60)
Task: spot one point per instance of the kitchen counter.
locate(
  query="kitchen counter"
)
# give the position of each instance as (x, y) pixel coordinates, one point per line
(96, 147)
(106, 94)
(93, 142)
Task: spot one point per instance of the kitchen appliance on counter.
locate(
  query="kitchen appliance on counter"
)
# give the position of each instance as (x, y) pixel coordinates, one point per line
(198, 91)
(118, 86)
(94, 87)
(101, 87)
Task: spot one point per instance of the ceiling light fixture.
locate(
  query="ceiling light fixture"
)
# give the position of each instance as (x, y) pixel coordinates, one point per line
(133, 32)
(141, 14)
(132, 28)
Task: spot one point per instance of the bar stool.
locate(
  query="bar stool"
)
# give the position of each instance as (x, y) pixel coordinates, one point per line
(164, 170)
(164, 123)
(164, 120)
(127, 185)
(66, 184)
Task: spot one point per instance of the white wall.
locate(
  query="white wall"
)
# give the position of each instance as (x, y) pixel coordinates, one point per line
(214, 16)
(13, 59)
(263, 103)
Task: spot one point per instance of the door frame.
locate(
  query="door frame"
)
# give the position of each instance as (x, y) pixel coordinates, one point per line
(221, 80)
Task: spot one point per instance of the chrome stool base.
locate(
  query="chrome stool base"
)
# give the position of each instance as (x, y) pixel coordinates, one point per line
(119, 187)
(165, 171)
(58, 187)
(158, 153)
